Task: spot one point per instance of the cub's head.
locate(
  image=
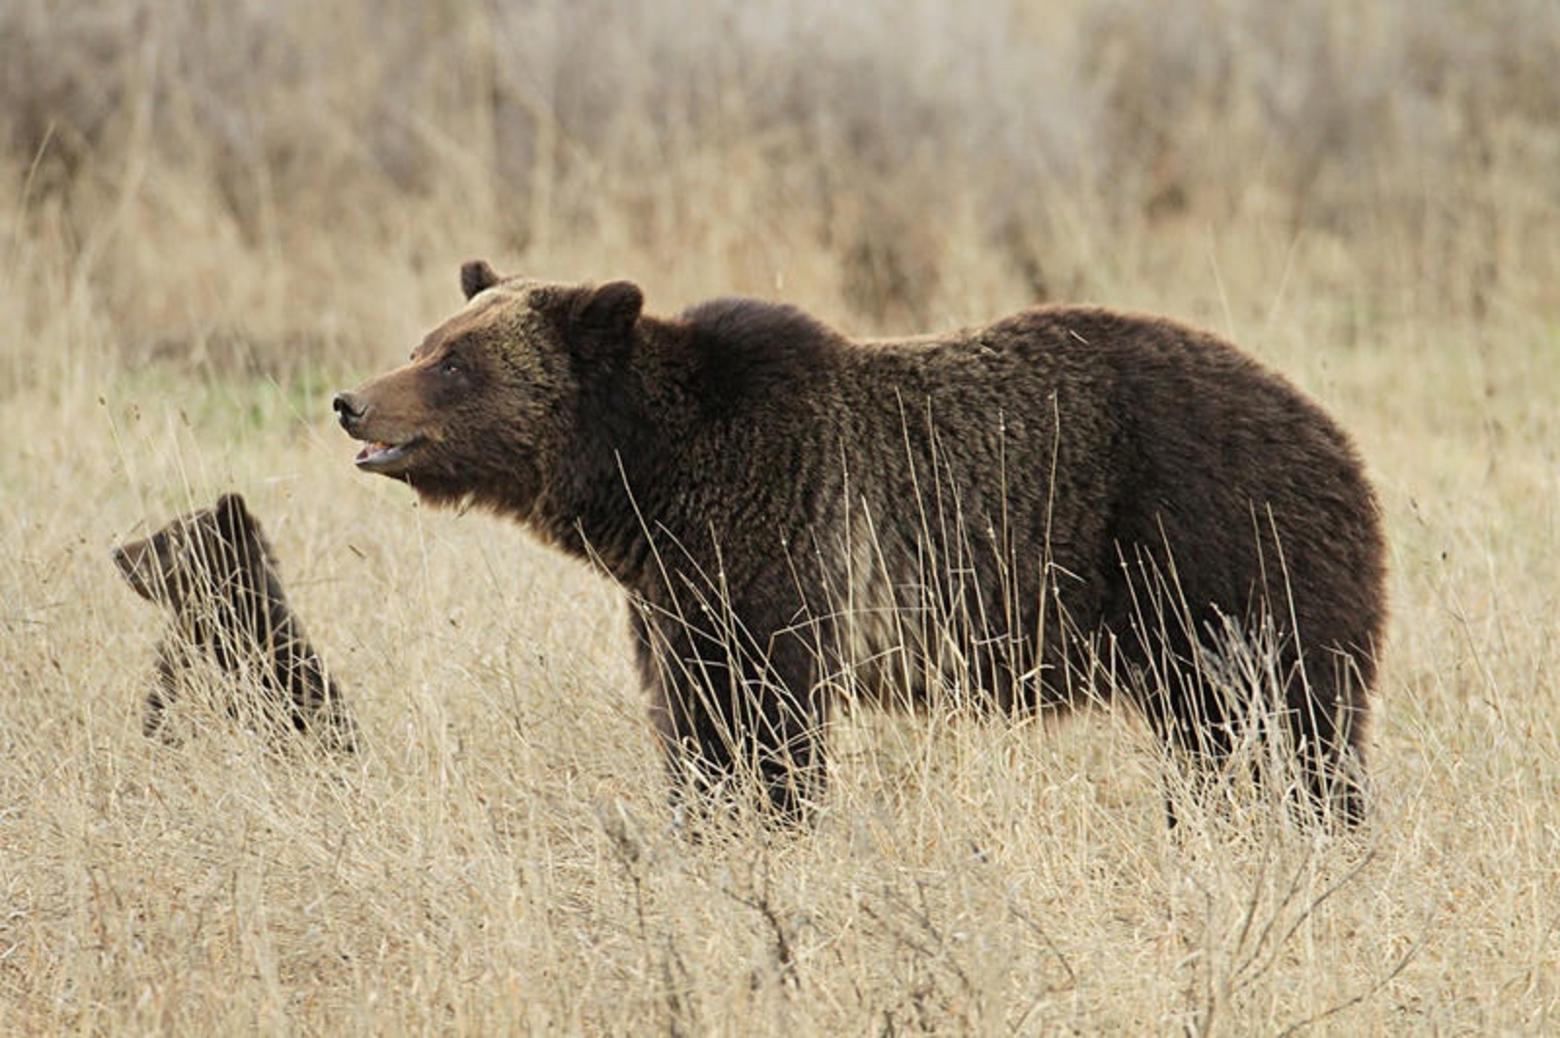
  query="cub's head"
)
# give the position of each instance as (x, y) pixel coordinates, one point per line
(487, 406)
(216, 551)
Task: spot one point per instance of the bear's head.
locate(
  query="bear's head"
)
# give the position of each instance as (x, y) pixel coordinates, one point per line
(216, 553)
(489, 407)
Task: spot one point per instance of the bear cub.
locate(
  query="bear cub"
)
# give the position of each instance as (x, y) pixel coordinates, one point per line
(214, 569)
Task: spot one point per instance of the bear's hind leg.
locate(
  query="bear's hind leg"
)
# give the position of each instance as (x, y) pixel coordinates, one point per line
(1327, 724)
(1190, 721)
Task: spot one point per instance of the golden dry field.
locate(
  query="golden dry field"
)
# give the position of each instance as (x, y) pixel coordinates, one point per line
(212, 215)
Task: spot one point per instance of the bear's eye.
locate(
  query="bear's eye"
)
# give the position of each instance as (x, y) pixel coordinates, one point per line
(450, 367)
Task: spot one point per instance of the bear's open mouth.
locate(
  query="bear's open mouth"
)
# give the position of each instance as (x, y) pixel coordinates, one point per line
(379, 456)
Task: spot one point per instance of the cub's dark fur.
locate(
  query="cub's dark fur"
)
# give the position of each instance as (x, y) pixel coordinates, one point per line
(1068, 504)
(215, 570)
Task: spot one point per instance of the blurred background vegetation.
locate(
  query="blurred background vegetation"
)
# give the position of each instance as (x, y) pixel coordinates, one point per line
(263, 183)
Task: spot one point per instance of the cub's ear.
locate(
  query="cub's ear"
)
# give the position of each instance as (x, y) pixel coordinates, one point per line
(233, 517)
(238, 526)
(609, 308)
(476, 275)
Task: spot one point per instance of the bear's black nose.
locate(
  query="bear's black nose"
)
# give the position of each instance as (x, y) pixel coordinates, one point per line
(347, 409)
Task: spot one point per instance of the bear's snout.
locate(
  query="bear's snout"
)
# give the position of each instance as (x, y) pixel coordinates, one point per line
(348, 410)
(135, 567)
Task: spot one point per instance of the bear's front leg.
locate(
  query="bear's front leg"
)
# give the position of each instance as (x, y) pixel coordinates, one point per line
(173, 661)
(729, 713)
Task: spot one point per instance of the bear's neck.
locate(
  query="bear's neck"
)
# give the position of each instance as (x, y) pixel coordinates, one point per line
(607, 499)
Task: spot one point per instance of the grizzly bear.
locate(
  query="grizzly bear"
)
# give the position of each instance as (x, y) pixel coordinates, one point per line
(214, 569)
(1066, 506)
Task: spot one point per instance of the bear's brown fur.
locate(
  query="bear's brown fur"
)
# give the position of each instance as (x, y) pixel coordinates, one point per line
(1064, 503)
(214, 569)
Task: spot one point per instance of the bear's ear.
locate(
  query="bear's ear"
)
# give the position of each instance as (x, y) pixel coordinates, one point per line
(612, 308)
(238, 526)
(475, 276)
(233, 517)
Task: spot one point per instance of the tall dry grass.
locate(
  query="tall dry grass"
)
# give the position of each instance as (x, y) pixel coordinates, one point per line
(212, 213)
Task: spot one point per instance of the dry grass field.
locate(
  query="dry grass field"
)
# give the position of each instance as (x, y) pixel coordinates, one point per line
(214, 214)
